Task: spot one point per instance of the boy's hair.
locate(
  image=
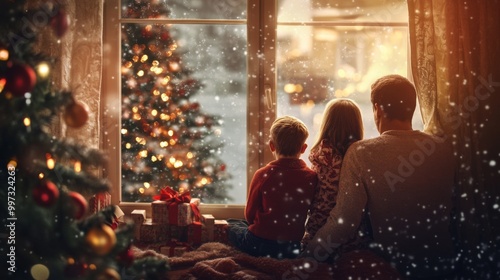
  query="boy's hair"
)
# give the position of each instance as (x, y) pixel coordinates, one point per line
(396, 95)
(341, 126)
(288, 134)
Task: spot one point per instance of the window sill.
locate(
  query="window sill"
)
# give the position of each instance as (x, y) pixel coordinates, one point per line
(219, 211)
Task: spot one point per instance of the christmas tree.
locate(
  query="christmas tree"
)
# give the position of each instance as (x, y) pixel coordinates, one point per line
(167, 140)
(49, 232)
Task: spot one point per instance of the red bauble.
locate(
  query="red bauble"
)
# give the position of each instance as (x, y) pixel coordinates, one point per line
(60, 23)
(126, 257)
(46, 193)
(20, 78)
(78, 204)
(222, 167)
(76, 114)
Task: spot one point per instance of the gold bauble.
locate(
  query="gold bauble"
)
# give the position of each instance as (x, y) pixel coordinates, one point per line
(101, 239)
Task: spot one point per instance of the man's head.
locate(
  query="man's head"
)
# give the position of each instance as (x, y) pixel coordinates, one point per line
(395, 96)
(288, 136)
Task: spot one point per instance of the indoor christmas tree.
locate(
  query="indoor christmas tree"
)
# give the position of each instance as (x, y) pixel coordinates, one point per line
(48, 231)
(167, 140)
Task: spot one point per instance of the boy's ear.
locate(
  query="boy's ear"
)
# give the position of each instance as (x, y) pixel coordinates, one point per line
(272, 146)
(303, 149)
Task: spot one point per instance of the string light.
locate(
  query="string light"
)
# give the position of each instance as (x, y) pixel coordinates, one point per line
(27, 121)
(4, 54)
(43, 69)
(78, 166)
(50, 161)
(147, 185)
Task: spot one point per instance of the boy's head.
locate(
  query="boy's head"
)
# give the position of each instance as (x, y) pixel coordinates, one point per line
(288, 136)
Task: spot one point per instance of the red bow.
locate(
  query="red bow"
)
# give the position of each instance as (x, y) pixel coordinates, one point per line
(171, 196)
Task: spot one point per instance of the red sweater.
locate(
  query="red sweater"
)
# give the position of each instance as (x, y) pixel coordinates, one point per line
(280, 196)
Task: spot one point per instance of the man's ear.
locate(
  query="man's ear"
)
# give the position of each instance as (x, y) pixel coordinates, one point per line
(303, 149)
(379, 112)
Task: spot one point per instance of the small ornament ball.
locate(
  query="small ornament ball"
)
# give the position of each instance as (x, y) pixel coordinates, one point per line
(78, 204)
(101, 239)
(60, 23)
(45, 193)
(39, 272)
(76, 114)
(19, 79)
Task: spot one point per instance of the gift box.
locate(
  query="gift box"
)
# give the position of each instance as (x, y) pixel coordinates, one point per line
(139, 217)
(221, 231)
(175, 249)
(99, 201)
(196, 233)
(179, 233)
(154, 232)
(174, 208)
(208, 226)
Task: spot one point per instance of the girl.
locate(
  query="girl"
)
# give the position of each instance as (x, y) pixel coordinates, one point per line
(341, 126)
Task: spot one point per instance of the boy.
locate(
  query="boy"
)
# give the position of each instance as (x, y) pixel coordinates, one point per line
(279, 199)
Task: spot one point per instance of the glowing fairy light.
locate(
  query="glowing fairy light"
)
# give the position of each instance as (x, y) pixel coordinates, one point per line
(141, 190)
(170, 132)
(164, 97)
(78, 166)
(178, 164)
(154, 112)
(27, 121)
(4, 54)
(154, 158)
(128, 146)
(172, 160)
(43, 69)
(163, 144)
(189, 155)
(144, 58)
(51, 163)
(124, 131)
(147, 185)
(143, 153)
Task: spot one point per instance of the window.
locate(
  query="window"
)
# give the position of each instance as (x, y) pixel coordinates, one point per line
(256, 60)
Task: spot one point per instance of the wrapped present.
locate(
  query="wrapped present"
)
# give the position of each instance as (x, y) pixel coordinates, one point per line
(174, 208)
(196, 233)
(221, 231)
(175, 248)
(99, 201)
(179, 233)
(154, 232)
(138, 216)
(208, 226)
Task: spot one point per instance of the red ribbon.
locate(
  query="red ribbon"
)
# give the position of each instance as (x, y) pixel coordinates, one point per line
(171, 196)
(195, 233)
(173, 199)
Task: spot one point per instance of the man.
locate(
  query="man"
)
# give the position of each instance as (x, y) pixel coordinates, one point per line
(403, 181)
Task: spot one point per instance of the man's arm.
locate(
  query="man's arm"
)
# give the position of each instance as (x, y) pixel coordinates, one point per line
(345, 217)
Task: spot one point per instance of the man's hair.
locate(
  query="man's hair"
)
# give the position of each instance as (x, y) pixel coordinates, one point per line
(288, 134)
(396, 95)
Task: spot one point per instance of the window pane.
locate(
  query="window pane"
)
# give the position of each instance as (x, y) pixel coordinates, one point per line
(343, 10)
(183, 9)
(320, 62)
(184, 111)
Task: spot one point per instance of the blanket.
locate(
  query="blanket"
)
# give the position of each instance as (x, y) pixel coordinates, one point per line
(219, 261)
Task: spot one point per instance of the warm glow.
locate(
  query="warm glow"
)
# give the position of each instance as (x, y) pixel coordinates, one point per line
(40, 176)
(147, 185)
(171, 160)
(78, 166)
(12, 164)
(178, 164)
(170, 132)
(289, 88)
(141, 190)
(43, 69)
(143, 153)
(154, 113)
(165, 80)
(4, 54)
(144, 58)
(156, 92)
(164, 97)
(140, 73)
(124, 131)
(163, 144)
(51, 163)
(154, 158)
(27, 122)
(172, 142)
(189, 155)
(128, 146)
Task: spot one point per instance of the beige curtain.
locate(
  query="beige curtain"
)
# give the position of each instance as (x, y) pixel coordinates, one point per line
(78, 63)
(455, 63)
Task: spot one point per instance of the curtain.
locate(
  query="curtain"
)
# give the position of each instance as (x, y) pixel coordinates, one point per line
(455, 63)
(78, 64)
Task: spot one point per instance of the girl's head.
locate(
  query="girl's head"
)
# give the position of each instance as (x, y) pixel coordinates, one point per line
(341, 125)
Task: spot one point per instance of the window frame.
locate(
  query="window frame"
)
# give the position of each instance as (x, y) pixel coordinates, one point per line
(261, 91)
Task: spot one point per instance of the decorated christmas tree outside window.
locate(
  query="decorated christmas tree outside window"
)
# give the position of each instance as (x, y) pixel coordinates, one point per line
(49, 232)
(167, 139)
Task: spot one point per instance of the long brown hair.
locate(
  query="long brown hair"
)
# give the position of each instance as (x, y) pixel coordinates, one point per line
(341, 126)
